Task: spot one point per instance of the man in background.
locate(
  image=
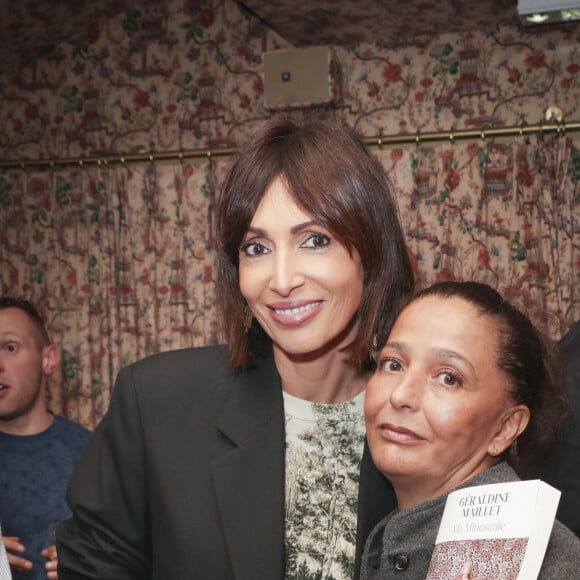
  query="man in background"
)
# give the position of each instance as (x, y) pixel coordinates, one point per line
(38, 449)
(563, 470)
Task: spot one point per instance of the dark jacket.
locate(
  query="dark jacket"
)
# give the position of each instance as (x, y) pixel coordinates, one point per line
(184, 477)
(563, 470)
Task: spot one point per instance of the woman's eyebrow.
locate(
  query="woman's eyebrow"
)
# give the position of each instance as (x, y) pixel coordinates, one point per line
(398, 346)
(304, 225)
(297, 228)
(453, 355)
(257, 231)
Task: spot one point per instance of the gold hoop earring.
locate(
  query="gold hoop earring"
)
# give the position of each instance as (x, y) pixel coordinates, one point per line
(248, 317)
(373, 349)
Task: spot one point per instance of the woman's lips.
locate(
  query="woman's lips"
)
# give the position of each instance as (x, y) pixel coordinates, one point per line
(398, 434)
(294, 313)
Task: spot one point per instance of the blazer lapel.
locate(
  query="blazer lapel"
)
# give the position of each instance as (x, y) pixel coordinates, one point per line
(249, 480)
(376, 498)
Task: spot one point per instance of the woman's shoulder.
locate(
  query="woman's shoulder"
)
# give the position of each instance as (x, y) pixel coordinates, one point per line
(191, 370)
(172, 375)
(203, 357)
(562, 555)
(564, 536)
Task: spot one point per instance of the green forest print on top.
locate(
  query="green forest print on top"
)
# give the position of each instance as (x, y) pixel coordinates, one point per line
(324, 445)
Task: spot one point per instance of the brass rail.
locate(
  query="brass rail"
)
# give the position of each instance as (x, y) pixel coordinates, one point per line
(377, 141)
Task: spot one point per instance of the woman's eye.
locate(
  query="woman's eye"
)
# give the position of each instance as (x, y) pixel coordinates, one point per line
(450, 379)
(254, 249)
(316, 240)
(390, 365)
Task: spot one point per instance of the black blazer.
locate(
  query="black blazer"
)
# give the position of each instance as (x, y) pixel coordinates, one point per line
(184, 476)
(563, 469)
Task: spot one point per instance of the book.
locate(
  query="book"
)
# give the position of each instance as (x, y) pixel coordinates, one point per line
(498, 531)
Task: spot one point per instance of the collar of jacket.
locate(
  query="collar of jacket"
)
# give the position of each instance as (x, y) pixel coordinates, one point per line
(249, 479)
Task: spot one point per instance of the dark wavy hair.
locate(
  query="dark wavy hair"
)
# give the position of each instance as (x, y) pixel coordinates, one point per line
(42, 338)
(333, 177)
(528, 359)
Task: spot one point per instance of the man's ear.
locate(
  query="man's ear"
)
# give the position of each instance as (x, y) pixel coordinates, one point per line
(513, 423)
(50, 359)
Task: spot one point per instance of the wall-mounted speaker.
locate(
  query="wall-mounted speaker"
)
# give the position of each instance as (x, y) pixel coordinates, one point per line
(297, 78)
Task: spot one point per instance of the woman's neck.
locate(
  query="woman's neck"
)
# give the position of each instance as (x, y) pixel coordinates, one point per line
(412, 491)
(331, 378)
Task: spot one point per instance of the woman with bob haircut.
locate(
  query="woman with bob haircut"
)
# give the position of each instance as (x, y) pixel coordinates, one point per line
(465, 394)
(248, 460)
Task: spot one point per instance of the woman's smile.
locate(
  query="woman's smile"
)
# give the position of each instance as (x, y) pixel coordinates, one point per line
(398, 434)
(303, 286)
(295, 313)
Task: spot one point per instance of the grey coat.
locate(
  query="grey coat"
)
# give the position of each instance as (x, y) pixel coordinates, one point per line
(400, 546)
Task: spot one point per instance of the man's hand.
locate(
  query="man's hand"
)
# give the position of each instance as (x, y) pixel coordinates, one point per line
(13, 547)
(51, 565)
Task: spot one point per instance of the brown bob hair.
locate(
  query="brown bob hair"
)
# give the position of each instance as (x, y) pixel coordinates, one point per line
(332, 176)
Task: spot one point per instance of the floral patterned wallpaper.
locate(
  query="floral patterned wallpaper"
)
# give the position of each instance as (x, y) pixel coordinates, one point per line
(156, 76)
(119, 256)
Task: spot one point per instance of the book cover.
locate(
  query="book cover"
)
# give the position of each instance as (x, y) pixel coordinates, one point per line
(495, 532)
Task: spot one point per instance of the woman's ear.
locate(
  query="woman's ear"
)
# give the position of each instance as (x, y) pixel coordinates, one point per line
(50, 359)
(513, 423)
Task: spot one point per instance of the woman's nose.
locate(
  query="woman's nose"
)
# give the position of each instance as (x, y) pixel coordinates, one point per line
(407, 391)
(287, 273)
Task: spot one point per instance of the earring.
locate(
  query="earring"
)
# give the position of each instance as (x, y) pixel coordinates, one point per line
(495, 450)
(373, 349)
(248, 317)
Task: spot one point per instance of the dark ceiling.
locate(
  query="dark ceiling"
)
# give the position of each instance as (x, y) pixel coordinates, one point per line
(29, 28)
(388, 22)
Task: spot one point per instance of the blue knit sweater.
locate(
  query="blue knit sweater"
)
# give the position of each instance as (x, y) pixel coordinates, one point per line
(34, 472)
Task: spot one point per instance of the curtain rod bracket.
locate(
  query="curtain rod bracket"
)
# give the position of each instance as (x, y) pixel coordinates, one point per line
(554, 112)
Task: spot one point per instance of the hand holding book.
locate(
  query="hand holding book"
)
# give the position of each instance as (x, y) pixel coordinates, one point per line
(495, 531)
